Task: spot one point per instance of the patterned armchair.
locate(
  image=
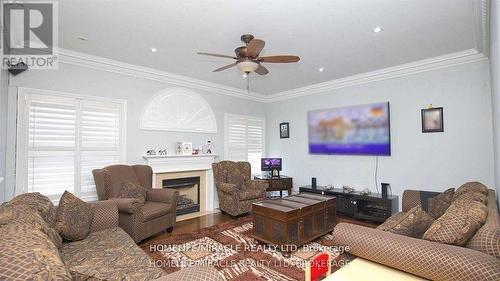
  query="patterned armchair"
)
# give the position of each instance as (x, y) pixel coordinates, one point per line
(235, 188)
(139, 220)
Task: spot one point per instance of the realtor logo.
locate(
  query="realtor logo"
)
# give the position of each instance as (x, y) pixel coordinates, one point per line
(30, 34)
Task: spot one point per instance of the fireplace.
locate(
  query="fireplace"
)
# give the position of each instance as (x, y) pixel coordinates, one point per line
(167, 167)
(189, 193)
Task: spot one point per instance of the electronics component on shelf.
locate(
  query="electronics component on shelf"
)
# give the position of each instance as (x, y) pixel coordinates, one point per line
(347, 189)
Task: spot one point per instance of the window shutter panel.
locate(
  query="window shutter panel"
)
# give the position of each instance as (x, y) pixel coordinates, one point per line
(66, 138)
(255, 142)
(100, 128)
(51, 146)
(236, 134)
(245, 139)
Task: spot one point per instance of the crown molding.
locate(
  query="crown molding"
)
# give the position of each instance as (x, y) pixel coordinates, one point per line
(100, 63)
(481, 28)
(94, 62)
(453, 59)
(485, 23)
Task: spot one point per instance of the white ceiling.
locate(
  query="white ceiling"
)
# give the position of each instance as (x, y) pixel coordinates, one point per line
(337, 35)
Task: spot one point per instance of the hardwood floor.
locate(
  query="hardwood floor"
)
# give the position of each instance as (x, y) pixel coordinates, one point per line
(194, 224)
(371, 224)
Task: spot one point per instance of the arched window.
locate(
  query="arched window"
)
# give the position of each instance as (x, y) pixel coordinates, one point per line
(178, 109)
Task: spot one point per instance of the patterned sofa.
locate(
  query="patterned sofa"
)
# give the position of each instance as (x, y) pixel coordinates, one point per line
(32, 250)
(477, 259)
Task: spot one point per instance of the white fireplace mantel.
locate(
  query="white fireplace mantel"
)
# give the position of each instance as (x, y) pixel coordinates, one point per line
(162, 164)
(180, 163)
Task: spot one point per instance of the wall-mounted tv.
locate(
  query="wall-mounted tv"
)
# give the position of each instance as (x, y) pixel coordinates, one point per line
(353, 130)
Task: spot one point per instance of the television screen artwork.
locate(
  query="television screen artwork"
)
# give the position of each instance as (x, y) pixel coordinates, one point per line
(355, 130)
(267, 164)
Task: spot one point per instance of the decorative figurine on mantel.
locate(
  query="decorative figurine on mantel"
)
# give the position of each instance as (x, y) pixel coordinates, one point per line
(208, 148)
(151, 152)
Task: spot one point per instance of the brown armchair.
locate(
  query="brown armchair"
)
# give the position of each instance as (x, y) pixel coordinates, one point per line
(235, 188)
(139, 220)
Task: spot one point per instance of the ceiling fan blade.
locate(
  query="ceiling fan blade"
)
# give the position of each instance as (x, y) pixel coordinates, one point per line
(279, 59)
(261, 70)
(255, 47)
(216, 55)
(225, 67)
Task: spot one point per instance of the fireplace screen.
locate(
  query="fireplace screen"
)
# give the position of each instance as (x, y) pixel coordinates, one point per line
(189, 194)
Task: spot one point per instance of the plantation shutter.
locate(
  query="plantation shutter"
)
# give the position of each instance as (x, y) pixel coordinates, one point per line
(61, 139)
(51, 145)
(101, 137)
(244, 139)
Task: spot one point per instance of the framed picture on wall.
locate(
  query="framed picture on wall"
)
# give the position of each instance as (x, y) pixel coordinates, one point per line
(284, 130)
(432, 120)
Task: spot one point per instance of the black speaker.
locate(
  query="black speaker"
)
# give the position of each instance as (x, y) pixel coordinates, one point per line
(385, 187)
(17, 68)
(313, 183)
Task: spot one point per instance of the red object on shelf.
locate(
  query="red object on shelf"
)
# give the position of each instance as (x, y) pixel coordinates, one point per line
(319, 267)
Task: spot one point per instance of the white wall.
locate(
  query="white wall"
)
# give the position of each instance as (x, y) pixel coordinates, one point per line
(426, 161)
(85, 81)
(495, 84)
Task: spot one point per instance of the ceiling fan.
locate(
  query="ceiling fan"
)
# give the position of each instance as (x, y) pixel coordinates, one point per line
(247, 57)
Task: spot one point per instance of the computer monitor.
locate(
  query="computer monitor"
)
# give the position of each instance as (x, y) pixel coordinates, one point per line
(269, 164)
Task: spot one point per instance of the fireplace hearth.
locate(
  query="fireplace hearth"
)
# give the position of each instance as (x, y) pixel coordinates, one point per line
(189, 194)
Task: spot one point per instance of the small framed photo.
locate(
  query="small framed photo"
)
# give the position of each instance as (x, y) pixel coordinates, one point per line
(432, 120)
(284, 130)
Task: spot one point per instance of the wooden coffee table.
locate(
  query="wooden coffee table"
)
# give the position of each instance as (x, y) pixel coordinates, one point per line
(293, 220)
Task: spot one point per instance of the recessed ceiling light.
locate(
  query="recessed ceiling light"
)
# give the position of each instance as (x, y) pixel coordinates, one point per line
(321, 69)
(378, 29)
(153, 50)
(83, 38)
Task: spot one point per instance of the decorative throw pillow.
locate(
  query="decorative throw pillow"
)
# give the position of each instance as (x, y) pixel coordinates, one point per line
(486, 240)
(471, 196)
(412, 223)
(73, 218)
(24, 214)
(458, 224)
(130, 190)
(40, 203)
(470, 187)
(439, 204)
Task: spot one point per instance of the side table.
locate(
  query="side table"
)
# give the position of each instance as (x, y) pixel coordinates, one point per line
(277, 184)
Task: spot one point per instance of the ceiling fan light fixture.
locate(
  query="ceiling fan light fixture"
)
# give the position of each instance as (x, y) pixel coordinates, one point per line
(247, 66)
(248, 57)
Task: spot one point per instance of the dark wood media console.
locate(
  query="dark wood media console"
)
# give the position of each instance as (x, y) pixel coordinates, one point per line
(372, 207)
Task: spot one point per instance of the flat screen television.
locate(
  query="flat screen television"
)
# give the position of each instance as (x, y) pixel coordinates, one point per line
(353, 130)
(268, 164)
